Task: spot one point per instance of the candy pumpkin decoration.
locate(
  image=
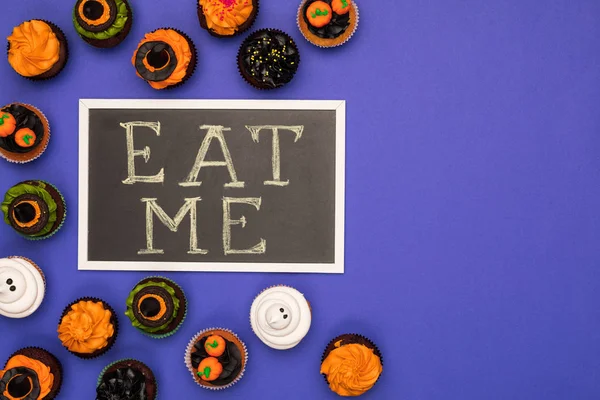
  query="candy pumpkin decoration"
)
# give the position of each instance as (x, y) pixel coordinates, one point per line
(215, 345)
(25, 137)
(209, 369)
(319, 14)
(7, 124)
(341, 7)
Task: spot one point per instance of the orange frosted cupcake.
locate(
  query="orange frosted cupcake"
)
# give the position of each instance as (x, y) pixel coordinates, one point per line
(37, 50)
(165, 58)
(351, 365)
(227, 18)
(31, 373)
(88, 328)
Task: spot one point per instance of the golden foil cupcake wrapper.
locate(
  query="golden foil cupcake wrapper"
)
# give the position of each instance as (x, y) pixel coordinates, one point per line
(105, 369)
(333, 45)
(190, 349)
(45, 142)
(56, 361)
(112, 339)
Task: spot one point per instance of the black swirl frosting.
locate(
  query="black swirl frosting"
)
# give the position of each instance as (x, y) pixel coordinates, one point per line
(25, 118)
(335, 28)
(122, 384)
(20, 383)
(231, 360)
(269, 58)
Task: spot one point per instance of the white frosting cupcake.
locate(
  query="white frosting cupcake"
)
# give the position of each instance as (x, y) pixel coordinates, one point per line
(22, 287)
(280, 316)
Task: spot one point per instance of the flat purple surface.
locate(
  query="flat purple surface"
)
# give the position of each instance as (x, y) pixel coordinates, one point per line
(472, 201)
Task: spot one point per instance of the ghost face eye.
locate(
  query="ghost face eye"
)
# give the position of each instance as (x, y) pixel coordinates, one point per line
(9, 281)
(281, 310)
(12, 285)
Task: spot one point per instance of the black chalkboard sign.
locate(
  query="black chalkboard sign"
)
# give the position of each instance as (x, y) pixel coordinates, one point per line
(197, 185)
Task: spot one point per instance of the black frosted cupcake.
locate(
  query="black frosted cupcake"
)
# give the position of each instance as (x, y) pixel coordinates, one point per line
(37, 50)
(127, 379)
(31, 373)
(88, 328)
(268, 59)
(24, 133)
(156, 307)
(165, 58)
(102, 23)
(34, 209)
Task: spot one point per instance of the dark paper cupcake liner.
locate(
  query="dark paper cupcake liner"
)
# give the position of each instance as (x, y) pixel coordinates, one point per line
(63, 41)
(241, 29)
(352, 338)
(45, 142)
(61, 222)
(132, 360)
(167, 334)
(115, 40)
(114, 320)
(240, 63)
(27, 350)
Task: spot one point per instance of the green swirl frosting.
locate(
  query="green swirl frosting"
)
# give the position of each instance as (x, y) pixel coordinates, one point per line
(115, 28)
(24, 188)
(131, 315)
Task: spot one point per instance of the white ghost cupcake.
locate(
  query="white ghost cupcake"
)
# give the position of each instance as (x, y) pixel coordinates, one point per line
(22, 287)
(280, 316)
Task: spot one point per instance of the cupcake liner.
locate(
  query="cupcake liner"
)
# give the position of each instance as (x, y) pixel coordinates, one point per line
(61, 222)
(111, 341)
(352, 338)
(308, 39)
(55, 391)
(239, 58)
(165, 335)
(105, 369)
(6, 154)
(241, 29)
(190, 349)
(115, 40)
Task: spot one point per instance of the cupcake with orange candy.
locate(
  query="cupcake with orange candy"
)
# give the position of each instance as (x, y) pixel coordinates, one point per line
(88, 328)
(24, 133)
(351, 365)
(165, 58)
(328, 23)
(216, 358)
(227, 18)
(31, 374)
(37, 50)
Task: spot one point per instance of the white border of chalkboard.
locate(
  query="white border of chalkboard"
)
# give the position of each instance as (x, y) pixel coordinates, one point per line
(338, 106)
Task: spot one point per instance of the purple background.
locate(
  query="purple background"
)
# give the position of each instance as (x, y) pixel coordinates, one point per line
(472, 200)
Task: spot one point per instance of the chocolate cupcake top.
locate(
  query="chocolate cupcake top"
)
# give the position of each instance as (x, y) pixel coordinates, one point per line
(269, 57)
(100, 19)
(218, 370)
(162, 58)
(21, 129)
(30, 209)
(154, 304)
(327, 19)
(127, 380)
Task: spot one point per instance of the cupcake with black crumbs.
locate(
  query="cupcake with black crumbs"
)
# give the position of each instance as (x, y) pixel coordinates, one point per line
(24, 133)
(227, 18)
(37, 50)
(127, 380)
(31, 373)
(268, 59)
(216, 358)
(328, 23)
(165, 58)
(102, 23)
(156, 307)
(88, 328)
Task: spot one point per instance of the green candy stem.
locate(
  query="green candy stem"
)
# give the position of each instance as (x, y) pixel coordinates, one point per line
(214, 344)
(205, 373)
(26, 138)
(345, 3)
(2, 118)
(319, 12)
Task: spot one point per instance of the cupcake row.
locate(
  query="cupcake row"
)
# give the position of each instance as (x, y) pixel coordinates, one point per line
(166, 57)
(280, 316)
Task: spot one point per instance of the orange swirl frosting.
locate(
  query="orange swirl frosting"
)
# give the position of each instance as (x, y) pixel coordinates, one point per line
(180, 47)
(225, 16)
(86, 328)
(45, 377)
(34, 48)
(351, 369)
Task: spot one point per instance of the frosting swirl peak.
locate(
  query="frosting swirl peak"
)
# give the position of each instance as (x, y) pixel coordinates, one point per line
(86, 328)
(351, 369)
(34, 48)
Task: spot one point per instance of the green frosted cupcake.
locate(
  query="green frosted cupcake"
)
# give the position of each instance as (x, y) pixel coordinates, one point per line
(34, 209)
(102, 23)
(156, 307)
